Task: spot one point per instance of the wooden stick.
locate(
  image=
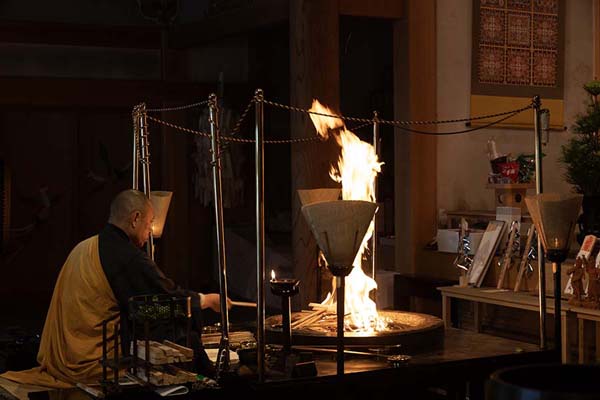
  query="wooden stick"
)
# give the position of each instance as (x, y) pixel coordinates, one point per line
(309, 319)
(318, 306)
(243, 304)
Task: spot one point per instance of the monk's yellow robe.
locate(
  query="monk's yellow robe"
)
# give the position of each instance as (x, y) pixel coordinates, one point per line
(71, 344)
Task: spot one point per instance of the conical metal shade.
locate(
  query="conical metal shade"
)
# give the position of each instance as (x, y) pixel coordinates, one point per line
(309, 196)
(340, 227)
(160, 203)
(554, 216)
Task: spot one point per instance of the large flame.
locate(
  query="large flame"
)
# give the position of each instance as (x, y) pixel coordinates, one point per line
(356, 170)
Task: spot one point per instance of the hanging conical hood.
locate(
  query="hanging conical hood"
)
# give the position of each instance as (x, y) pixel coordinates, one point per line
(309, 196)
(340, 227)
(554, 216)
(160, 203)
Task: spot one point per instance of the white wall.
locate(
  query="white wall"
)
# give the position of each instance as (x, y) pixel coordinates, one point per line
(462, 159)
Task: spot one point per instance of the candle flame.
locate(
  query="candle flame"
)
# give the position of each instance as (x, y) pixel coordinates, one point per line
(272, 275)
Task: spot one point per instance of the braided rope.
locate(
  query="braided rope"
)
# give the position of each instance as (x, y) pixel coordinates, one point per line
(229, 138)
(396, 123)
(178, 108)
(238, 125)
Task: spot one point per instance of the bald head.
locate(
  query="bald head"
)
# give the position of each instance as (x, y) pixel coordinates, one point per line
(132, 212)
(126, 203)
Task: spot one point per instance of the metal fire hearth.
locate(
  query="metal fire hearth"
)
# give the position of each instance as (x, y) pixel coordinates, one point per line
(413, 332)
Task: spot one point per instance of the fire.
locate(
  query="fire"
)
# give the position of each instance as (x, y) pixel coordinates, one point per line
(356, 170)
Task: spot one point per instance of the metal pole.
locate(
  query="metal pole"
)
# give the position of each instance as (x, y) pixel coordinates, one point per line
(136, 138)
(223, 355)
(260, 233)
(376, 142)
(539, 189)
(286, 326)
(341, 297)
(557, 316)
(145, 158)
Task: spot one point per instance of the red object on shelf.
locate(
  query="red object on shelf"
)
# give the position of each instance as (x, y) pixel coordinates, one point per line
(510, 170)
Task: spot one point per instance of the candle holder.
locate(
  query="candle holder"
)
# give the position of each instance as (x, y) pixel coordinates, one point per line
(554, 217)
(339, 228)
(285, 288)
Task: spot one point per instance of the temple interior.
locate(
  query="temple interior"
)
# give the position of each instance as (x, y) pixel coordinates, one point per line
(348, 198)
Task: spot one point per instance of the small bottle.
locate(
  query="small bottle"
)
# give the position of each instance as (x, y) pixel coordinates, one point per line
(491, 149)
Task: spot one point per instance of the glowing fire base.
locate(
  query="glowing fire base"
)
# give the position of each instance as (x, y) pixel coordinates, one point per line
(414, 332)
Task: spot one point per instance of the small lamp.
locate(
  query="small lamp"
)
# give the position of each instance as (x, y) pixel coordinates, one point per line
(554, 217)
(339, 228)
(160, 202)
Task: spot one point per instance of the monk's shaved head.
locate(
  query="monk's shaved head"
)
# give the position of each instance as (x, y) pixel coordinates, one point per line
(126, 203)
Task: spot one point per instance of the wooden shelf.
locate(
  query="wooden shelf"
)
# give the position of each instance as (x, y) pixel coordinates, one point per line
(529, 185)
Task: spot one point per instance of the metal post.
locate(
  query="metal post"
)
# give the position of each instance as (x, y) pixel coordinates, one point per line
(223, 355)
(136, 140)
(260, 233)
(286, 326)
(557, 316)
(374, 241)
(145, 159)
(341, 298)
(539, 189)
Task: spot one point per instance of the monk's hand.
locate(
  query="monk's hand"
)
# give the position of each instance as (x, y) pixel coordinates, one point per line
(213, 301)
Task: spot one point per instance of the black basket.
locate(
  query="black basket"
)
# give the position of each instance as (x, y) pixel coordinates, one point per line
(161, 307)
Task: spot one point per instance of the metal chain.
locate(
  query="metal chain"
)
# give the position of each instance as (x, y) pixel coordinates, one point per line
(178, 108)
(391, 122)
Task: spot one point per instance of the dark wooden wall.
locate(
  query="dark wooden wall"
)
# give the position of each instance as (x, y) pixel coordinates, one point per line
(69, 154)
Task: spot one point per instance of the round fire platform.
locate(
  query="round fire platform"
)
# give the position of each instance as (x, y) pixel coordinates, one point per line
(414, 332)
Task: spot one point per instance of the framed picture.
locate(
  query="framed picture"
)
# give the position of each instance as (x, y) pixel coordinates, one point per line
(485, 252)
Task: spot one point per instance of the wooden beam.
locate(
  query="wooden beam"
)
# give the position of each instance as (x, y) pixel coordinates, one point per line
(81, 93)
(373, 8)
(68, 34)
(260, 14)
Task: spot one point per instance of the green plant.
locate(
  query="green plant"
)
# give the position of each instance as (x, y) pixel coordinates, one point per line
(581, 154)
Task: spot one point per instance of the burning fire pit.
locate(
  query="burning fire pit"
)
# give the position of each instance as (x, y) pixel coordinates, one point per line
(414, 332)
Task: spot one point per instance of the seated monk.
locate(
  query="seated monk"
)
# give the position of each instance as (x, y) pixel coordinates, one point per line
(95, 283)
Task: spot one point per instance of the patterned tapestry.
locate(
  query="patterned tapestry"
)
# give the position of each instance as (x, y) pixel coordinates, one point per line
(518, 48)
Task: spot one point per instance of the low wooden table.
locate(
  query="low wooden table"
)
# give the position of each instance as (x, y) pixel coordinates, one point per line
(584, 316)
(506, 298)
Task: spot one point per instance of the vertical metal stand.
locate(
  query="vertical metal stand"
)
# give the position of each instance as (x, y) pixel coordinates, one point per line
(286, 323)
(341, 298)
(557, 311)
(144, 145)
(539, 189)
(260, 233)
(223, 355)
(136, 141)
(374, 240)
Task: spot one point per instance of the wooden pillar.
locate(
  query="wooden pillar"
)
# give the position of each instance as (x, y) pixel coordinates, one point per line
(415, 155)
(314, 74)
(596, 30)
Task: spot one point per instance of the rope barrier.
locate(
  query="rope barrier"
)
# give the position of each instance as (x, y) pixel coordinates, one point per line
(178, 108)
(364, 122)
(395, 123)
(457, 132)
